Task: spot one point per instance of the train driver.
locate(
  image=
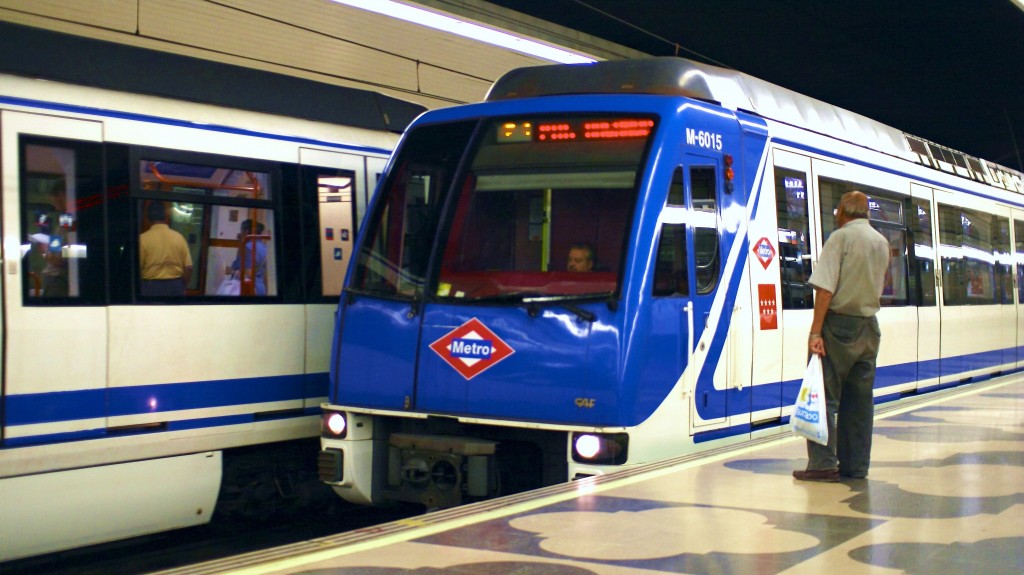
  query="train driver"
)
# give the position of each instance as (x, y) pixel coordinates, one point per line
(581, 258)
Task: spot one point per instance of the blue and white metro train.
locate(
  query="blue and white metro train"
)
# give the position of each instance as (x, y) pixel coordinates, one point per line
(124, 414)
(468, 363)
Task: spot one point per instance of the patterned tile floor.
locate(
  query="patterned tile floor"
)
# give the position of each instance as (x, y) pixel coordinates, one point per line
(945, 495)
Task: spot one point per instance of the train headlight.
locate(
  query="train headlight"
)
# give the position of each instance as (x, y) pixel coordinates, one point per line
(334, 425)
(600, 448)
(587, 446)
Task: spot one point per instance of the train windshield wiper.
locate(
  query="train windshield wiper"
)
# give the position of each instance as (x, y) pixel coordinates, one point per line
(562, 301)
(534, 300)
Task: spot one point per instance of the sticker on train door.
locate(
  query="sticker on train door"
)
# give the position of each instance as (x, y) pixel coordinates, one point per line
(471, 348)
(765, 252)
(768, 304)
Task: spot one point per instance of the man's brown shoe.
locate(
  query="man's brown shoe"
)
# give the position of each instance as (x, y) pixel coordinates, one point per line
(822, 475)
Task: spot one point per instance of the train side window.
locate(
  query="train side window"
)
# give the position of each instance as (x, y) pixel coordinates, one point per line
(62, 222)
(920, 223)
(225, 217)
(705, 228)
(794, 239)
(885, 213)
(1018, 233)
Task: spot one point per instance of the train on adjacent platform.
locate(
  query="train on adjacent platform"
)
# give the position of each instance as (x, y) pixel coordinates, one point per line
(468, 361)
(123, 413)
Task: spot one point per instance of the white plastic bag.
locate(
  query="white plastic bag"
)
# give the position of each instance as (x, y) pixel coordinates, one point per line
(230, 286)
(808, 418)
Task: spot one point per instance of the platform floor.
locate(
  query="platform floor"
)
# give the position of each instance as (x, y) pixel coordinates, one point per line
(945, 494)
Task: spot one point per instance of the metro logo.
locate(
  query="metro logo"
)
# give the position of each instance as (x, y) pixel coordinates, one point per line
(764, 251)
(471, 348)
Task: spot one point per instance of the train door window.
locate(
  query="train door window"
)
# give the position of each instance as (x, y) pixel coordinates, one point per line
(705, 229)
(62, 222)
(336, 214)
(205, 230)
(1003, 260)
(978, 250)
(951, 231)
(920, 223)
(1018, 234)
(670, 273)
(794, 239)
(895, 291)
(829, 191)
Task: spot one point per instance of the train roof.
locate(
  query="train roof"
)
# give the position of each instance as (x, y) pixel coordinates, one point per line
(738, 91)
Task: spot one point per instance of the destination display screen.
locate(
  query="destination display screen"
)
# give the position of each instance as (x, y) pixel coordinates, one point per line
(554, 130)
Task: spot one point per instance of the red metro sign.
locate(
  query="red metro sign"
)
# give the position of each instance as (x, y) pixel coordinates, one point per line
(764, 251)
(471, 348)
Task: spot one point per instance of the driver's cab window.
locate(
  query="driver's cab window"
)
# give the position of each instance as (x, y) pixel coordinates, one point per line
(670, 272)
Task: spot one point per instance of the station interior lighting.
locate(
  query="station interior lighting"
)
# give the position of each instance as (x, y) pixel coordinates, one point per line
(470, 30)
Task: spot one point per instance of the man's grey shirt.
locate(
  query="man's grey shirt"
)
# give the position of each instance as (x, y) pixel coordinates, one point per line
(852, 266)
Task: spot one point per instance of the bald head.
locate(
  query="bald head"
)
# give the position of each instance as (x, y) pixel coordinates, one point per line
(853, 205)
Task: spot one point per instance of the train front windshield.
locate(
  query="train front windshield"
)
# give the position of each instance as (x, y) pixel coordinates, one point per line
(539, 208)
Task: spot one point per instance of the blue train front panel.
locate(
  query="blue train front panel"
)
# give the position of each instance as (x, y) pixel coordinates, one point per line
(463, 302)
(531, 279)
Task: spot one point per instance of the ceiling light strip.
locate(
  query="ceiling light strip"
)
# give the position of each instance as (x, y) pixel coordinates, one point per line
(469, 30)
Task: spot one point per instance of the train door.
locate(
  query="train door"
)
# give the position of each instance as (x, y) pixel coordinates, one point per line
(781, 345)
(54, 322)
(340, 182)
(950, 255)
(1018, 258)
(711, 345)
(1004, 285)
(396, 268)
(340, 179)
(974, 243)
(921, 222)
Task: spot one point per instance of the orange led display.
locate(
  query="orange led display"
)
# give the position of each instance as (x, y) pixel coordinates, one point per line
(582, 129)
(555, 132)
(617, 129)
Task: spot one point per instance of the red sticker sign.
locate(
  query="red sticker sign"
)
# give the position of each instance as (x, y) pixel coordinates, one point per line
(768, 304)
(471, 348)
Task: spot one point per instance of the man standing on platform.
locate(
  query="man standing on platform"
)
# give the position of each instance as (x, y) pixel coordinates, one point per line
(848, 281)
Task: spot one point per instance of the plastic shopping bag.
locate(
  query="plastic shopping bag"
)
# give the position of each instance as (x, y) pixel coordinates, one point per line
(808, 418)
(230, 286)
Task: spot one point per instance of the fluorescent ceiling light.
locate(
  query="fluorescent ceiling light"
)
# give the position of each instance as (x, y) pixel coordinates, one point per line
(468, 30)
